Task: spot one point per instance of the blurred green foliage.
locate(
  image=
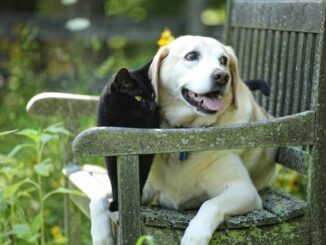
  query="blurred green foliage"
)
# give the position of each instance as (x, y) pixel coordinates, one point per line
(25, 189)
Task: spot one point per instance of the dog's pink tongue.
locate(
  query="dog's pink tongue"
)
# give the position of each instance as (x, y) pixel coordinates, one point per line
(214, 104)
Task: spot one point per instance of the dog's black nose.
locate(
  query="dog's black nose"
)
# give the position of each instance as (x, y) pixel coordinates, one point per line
(221, 77)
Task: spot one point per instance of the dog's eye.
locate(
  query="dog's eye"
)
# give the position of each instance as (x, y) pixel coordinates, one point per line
(223, 60)
(194, 55)
(138, 98)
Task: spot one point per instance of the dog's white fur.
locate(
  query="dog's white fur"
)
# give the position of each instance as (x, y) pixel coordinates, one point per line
(219, 183)
(100, 223)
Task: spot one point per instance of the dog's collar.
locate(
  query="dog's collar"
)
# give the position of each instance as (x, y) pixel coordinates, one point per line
(182, 156)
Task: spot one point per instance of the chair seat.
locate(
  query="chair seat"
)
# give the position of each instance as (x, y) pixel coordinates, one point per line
(277, 207)
(281, 221)
(278, 222)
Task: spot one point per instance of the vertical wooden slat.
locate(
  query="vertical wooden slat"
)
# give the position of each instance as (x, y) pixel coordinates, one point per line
(242, 51)
(315, 77)
(274, 76)
(290, 74)
(317, 173)
(267, 64)
(260, 63)
(235, 40)
(247, 55)
(254, 58)
(72, 219)
(307, 75)
(282, 75)
(254, 48)
(227, 36)
(298, 81)
(129, 200)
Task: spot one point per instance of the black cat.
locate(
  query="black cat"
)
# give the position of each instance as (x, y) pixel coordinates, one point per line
(128, 100)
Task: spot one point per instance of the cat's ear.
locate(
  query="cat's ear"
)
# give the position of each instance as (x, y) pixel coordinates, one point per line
(122, 80)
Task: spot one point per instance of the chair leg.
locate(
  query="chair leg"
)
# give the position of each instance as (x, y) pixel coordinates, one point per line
(72, 221)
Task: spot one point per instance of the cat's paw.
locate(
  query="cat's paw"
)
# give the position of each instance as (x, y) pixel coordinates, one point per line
(100, 223)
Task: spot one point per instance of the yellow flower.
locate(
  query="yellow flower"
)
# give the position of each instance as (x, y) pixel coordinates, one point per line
(166, 38)
(57, 234)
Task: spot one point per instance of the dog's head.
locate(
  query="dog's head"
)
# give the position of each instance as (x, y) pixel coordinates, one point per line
(196, 73)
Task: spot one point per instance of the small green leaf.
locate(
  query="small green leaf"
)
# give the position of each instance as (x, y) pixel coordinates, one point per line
(63, 190)
(21, 229)
(8, 132)
(45, 138)
(18, 148)
(36, 223)
(149, 240)
(33, 238)
(43, 168)
(57, 129)
(13, 189)
(30, 133)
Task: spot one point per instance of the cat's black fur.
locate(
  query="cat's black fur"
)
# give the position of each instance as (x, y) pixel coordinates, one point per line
(118, 107)
(260, 84)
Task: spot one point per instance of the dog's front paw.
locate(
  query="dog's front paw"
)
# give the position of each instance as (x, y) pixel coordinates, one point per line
(196, 236)
(105, 241)
(100, 223)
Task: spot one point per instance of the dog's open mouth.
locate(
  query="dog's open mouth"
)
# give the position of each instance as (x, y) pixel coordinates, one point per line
(208, 103)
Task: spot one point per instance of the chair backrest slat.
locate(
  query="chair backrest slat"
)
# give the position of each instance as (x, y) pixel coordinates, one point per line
(316, 72)
(260, 61)
(308, 71)
(254, 54)
(267, 63)
(274, 44)
(274, 85)
(290, 74)
(299, 67)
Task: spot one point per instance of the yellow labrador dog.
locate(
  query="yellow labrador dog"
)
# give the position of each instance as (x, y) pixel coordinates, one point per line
(198, 85)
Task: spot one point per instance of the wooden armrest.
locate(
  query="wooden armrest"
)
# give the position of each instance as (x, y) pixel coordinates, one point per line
(62, 104)
(291, 130)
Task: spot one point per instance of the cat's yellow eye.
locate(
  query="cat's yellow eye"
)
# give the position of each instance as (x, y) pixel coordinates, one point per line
(138, 98)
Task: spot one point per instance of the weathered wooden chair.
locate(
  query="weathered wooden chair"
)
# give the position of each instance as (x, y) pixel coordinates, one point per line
(283, 42)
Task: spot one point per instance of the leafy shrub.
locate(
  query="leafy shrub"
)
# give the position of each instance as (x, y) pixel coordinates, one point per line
(25, 186)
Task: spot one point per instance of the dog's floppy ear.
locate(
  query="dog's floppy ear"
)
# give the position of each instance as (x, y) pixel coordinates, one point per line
(233, 63)
(154, 69)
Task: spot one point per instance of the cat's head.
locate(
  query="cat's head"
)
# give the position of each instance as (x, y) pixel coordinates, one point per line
(135, 89)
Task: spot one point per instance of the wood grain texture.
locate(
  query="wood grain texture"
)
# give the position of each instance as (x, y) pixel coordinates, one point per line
(317, 170)
(294, 158)
(293, 232)
(278, 15)
(102, 141)
(278, 207)
(275, 66)
(63, 105)
(129, 199)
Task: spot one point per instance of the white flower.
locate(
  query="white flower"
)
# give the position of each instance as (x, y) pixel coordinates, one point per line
(78, 24)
